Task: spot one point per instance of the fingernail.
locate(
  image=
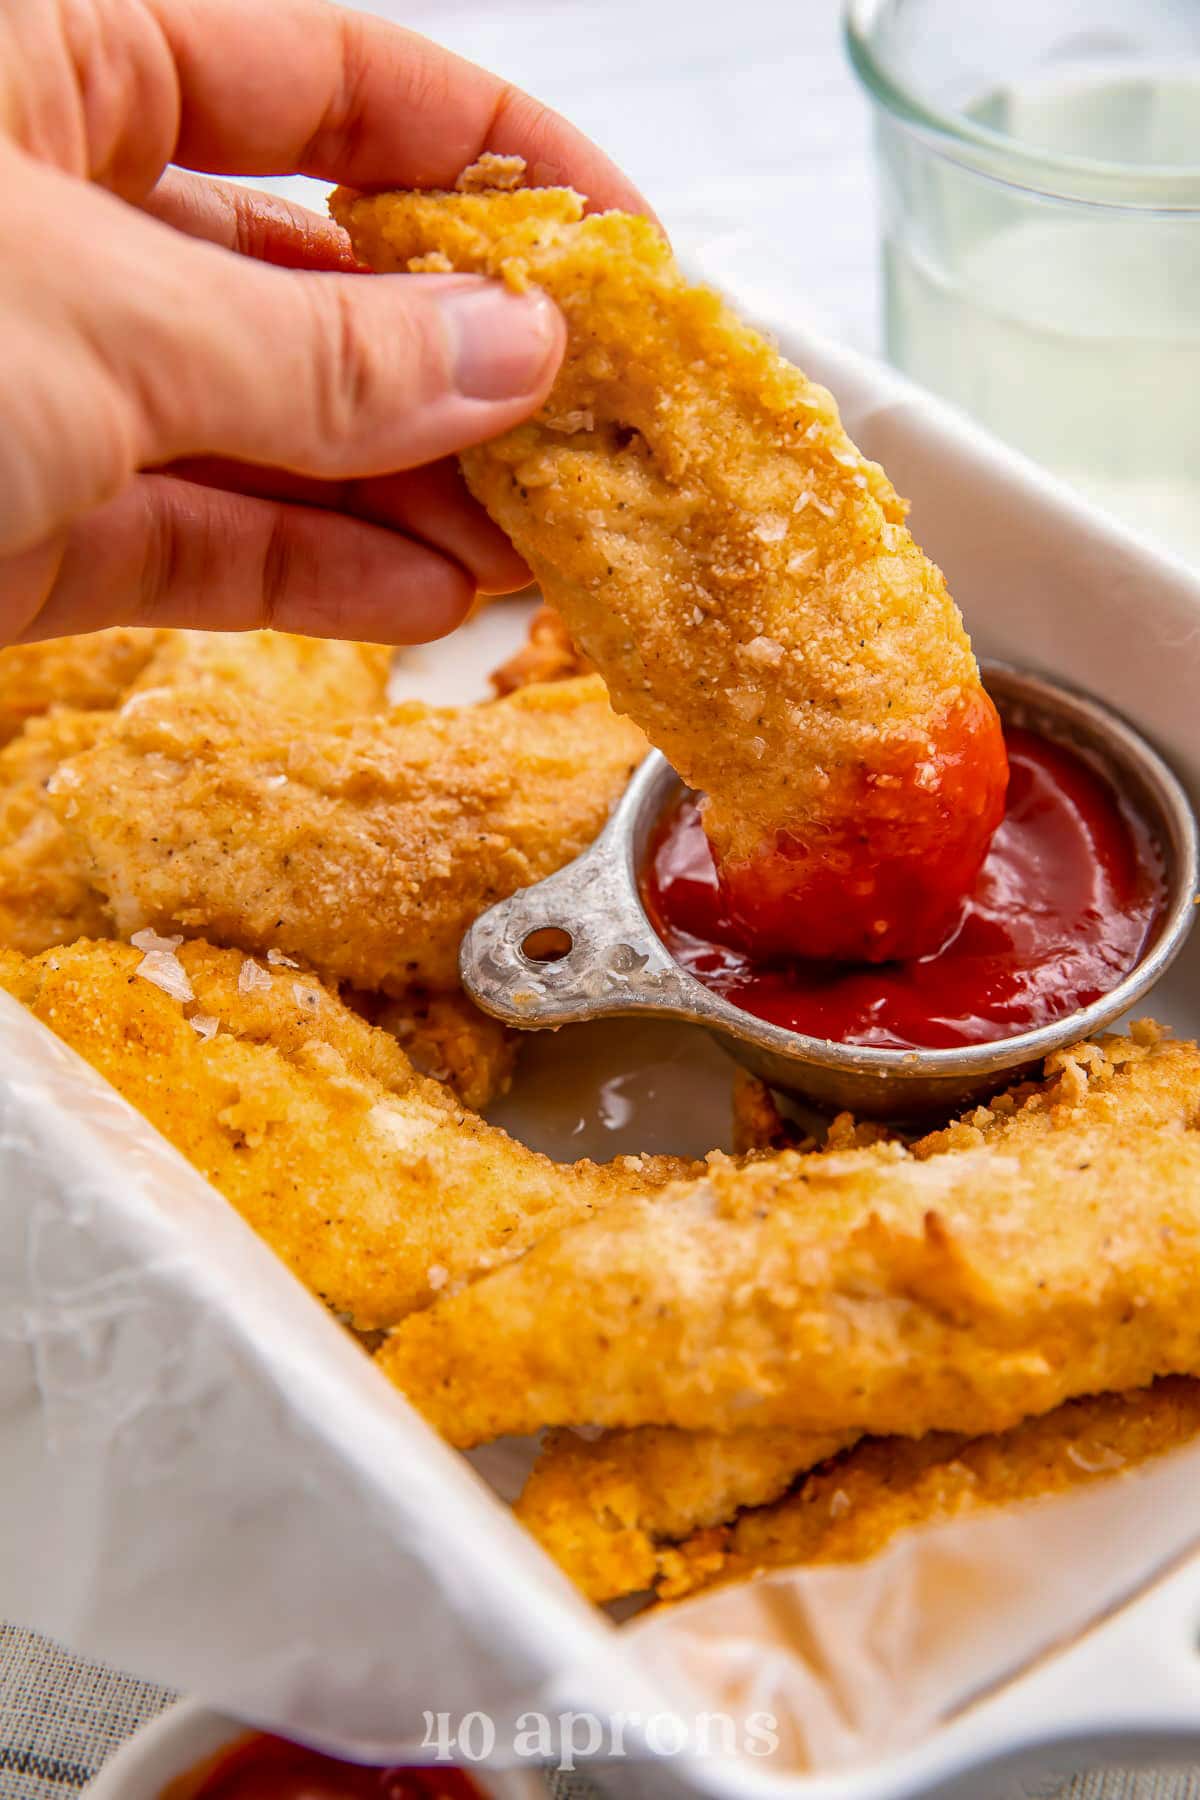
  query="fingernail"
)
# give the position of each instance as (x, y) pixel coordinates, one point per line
(500, 342)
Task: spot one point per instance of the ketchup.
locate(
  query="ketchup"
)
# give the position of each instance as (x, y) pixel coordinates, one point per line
(269, 1768)
(1064, 903)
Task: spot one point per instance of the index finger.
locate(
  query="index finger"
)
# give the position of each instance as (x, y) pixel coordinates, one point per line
(307, 87)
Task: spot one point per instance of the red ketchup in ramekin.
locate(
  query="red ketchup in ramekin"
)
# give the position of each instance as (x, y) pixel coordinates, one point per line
(1062, 909)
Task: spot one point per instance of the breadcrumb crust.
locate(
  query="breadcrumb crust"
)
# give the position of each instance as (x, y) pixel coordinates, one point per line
(1044, 1248)
(366, 847)
(375, 1186)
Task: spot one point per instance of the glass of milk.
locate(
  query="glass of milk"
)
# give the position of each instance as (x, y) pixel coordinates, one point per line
(1040, 187)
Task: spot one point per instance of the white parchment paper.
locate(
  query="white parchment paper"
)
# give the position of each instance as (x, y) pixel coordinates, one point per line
(202, 1479)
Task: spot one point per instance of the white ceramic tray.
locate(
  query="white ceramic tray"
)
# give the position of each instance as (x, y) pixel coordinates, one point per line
(306, 1552)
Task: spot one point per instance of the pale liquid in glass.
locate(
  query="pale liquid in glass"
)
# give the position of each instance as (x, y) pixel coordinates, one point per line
(1072, 331)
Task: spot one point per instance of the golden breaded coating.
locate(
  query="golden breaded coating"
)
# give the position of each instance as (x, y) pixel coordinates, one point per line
(1052, 1252)
(46, 897)
(46, 892)
(446, 1036)
(367, 848)
(851, 1509)
(94, 672)
(370, 1181)
(317, 678)
(759, 1127)
(607, 1508)
(89, 673)
(740, 575)
(548, 654)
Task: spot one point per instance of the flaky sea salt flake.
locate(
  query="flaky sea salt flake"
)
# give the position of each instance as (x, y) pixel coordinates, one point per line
(252, 976)
(581, 419)
(163, 969)
(764, 652)
(1102, 1460)
(150, 940)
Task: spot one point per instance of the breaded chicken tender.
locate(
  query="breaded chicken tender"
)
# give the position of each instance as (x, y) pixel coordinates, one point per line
(46, 892)
(758, 1125)
(446, 1036)
(371, 1182)
(94, 672)
(547, 654)
(89, 673)
(46, 896)
(367, 848)
(852, 1508)
(607, 1508)
(739, 574)
(1044, 1249)
(317, 679)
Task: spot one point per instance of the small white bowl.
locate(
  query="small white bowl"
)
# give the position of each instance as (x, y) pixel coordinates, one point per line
(183, 1736)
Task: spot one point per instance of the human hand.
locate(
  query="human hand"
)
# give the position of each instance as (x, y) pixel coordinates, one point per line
(203, 405)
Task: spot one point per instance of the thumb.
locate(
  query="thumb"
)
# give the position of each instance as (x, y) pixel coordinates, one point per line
(335, 375)
(341, 376)
(135, 345)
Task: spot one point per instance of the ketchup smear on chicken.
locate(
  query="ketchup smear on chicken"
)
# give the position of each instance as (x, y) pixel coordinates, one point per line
(901, 842)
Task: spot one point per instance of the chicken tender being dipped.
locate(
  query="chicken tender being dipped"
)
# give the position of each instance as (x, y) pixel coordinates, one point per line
(740, 575)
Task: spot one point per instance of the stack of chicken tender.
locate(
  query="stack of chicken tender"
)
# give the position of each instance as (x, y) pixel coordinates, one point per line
(235, 880)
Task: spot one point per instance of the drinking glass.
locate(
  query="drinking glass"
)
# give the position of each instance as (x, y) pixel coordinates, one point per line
(1039, 165)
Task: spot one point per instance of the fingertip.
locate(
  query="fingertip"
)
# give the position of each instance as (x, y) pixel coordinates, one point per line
(385, 589)
(507, 575)
(443, 603)
(168, 553)
(503, 346)
(433, 506)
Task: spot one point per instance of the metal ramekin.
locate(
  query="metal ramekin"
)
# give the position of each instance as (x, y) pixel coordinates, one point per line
(579, 945)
